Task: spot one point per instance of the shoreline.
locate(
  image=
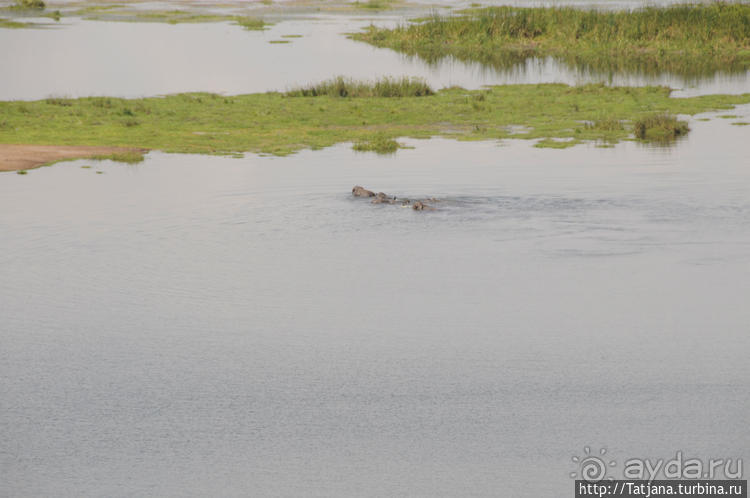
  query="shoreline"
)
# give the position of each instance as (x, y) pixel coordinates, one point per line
(21, 157)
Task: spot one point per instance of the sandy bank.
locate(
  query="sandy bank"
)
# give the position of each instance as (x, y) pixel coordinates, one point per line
(18, 157)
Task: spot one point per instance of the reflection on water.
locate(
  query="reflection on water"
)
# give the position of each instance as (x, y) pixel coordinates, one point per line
(199, 323)
(523, 69)
(144, 59)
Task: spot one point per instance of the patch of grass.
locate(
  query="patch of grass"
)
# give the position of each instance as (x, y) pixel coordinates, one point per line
(551, 143)
(7, 23)
(121, 157)
(384, 87)
(28, 5)
(122, 13)
(609, 128)
(689, 40)
(273, 123)
(728, 116)
(84, 9)
(21, 172)
(103, 102)
(380, 144)
(59, 101)
(374, 4)
(606, 124)
(250, 23)
(659, 127)
(291, 36)
(279, 41)
(741, 123)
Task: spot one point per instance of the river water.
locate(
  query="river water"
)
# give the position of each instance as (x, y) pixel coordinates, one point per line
(194, 324)
(145, 59)
(197, 325)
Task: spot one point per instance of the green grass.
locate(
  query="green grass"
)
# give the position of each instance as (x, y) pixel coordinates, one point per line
(250, 23)
(121, 13)
(380, 144)
(121, 157)
(741, 123)
(384, 87)
(690, 40)
(28, 5)
(274, 123)
(606, 124)
(7, 23)
(374, 4)
(659, 127)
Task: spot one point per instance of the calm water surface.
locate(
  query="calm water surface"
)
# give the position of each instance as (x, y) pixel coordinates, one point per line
(194, 324)
(198, 325)
(145, 59)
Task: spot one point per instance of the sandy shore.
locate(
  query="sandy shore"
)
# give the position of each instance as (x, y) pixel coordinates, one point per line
(18, 157)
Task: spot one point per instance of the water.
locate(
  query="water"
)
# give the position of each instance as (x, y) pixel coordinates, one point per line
(198, 325)
(146, 59)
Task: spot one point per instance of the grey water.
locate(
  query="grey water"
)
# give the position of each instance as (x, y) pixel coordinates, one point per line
(75, 58)
(197, 325)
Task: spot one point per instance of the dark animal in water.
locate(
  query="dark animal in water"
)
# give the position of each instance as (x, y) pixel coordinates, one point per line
(358, 191)
(382, 198)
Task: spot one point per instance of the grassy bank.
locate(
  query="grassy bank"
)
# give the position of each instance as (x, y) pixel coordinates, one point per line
(10, 24)
(117, 13)
(275, 123)
(690, 40)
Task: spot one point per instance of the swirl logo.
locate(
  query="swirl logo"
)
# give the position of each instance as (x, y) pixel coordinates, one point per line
(592, 468)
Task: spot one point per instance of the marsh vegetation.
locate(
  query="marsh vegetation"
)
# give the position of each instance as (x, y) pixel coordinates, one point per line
(276, 123)
(375, 4)
(383, 87)
(113, 12)
(688, 40)
(28, 4)
(8, 23)
(659, 127)
(129, 157)
(380, 144)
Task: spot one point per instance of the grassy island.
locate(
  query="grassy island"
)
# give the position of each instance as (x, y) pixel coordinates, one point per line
(689, 40)
(367, 114)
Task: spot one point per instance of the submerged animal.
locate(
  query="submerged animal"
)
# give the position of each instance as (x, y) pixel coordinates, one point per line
(383, 198)
(358, 191)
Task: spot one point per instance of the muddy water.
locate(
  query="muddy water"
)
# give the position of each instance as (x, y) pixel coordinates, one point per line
(195, 324)
(145, 59)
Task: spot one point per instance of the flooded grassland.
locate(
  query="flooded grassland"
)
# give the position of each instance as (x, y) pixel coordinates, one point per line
(323, 115)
